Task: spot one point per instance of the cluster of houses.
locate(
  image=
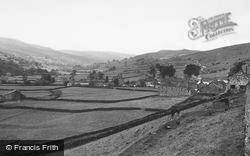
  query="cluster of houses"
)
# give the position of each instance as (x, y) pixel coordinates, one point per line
(236, 82)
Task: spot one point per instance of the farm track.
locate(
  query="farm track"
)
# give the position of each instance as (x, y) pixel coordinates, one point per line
(79, 110)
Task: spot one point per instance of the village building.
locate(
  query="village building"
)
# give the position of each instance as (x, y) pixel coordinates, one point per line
(238, 81)
(215, 86)
(14, 95)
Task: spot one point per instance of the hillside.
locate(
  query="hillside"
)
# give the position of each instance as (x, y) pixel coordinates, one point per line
(10, 67)
(49, 58)
(216, 62)
(97, 56)
(165, 54)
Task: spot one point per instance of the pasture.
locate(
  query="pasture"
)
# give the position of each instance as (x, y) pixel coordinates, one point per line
(31, 124)
(83, 93)
(3, 92)
(18, 122)
(154, 102)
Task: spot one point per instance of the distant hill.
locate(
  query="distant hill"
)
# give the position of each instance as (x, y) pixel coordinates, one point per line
(165, 54)
(49, 58)
(137, 67)
(215, 63)
(97, 56)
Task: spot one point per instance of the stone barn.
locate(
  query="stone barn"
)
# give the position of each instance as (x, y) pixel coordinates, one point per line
(14, 95)
(238, 81)
(213, 87)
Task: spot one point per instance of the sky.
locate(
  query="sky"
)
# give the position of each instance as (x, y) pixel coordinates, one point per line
(127, 26)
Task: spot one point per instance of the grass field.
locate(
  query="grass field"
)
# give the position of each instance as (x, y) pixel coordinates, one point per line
(37, 124)
(30, 124)
(100, 94)
(155, 102)
(3, 92)
(21, 123)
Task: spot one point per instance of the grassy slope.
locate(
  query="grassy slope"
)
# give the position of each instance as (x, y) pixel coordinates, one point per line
(30, 124)
(217, 61)
(51, 58)
(199, 133)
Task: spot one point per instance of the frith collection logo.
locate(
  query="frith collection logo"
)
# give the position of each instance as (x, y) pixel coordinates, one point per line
(210, 28)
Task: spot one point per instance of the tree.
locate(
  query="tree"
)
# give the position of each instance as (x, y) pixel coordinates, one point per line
(25, 79)
(73, 73)
(100, 75)
(36, 71)
(142, 83)
(54, 72)
(158, 66)
(48, 77)
(192, 69)
(112, 68)
(72, 76)
(106, 79)
(96, 75)
(11, 67)
(116, 82)
(236, 68)
(152, 71)
(45, 80)
(127, 83)
(92, 75)
(167, 71)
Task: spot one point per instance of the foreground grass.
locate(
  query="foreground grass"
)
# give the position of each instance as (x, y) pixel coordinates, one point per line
(30, 124)
(199, 133)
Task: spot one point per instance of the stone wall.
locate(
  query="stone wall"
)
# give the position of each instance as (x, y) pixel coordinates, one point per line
(247, 122)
